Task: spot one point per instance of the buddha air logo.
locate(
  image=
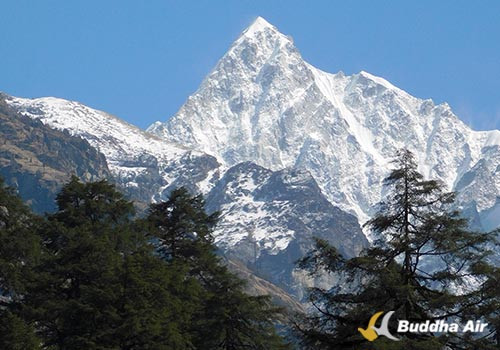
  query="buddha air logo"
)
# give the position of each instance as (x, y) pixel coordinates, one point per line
(371, 332)
(438, 326)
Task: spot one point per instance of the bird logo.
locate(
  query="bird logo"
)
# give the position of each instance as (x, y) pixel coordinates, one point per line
(371, 332)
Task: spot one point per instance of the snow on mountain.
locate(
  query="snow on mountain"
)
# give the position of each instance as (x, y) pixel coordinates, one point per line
(267, 206)
(482, 184)
(263, 103)
(141, 162)
(283, 149)
(268, 221)
(114, 137)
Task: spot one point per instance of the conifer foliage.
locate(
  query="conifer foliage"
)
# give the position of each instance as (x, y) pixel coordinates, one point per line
(425, 265)
(19, 253)
(226, 317)
(93, 276)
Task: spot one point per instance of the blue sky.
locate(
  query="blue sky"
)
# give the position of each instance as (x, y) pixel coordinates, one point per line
(140, 60)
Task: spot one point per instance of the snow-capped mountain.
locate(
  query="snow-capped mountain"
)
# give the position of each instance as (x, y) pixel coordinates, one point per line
(263, 103)
(286, 152)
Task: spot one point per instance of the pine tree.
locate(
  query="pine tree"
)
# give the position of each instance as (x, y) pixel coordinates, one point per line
(100, 284)
(19, 253)
(225, 317)
(156, 306)
(184, 229)
(19, 244)
(426, 265)
(91, 276)
(15, 334)
(231, 319)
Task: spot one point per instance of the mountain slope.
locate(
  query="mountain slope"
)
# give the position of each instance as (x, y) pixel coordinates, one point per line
(263, 103)
(37, 160)
(268, 221)
(144, 165)
(283, 149)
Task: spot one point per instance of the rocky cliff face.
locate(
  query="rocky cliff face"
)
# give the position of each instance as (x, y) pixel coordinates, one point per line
(36, 159)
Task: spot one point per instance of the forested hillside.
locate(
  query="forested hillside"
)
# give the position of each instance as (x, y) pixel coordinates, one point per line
(91, 276)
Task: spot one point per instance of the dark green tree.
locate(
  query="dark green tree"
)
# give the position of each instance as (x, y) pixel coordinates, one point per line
(230, 319)
(92, 276)
(156, 306)
(426, 265)
(100, 284)
(15, 334)
(19, 244)
(225, 317)
(19, 253)
(184, 230)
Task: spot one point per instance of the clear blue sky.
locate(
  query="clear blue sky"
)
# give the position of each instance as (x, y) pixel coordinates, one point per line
(140, 60)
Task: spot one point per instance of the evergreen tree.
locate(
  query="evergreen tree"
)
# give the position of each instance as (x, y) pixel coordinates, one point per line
(184, 230)
(156, 306)
(225, 317)
(15, 334)
(426, 265)
(230, 319)
(19, 244)
(99, 284)
(91, 276)
(19, 252)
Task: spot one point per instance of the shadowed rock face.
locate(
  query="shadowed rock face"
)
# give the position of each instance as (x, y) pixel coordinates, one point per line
(483, 178)
(269, 219)
(37, 160)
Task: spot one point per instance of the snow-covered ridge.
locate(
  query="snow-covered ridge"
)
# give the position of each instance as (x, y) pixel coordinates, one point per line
(263, 103)
(115, 138)
(148, 166)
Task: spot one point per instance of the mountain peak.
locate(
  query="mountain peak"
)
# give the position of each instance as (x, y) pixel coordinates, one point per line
(259, 42)
(259, 25)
